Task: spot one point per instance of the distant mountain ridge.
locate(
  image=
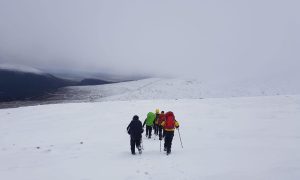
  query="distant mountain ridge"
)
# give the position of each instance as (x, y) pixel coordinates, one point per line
(26, 83)
(20, 68)
(172, 88)
(17, 85)
(87, 82)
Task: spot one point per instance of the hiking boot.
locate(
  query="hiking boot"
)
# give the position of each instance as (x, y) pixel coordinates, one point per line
(133, 153)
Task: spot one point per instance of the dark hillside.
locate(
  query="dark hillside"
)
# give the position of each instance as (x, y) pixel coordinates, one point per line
(16, 85)
(86, 82)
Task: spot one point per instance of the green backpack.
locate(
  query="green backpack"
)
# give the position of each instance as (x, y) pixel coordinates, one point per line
(150, 119)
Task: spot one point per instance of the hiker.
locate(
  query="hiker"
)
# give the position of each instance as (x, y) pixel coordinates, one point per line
(149, 123)
(155, 125)
(169, 126)
(161, 118)
(135, 129)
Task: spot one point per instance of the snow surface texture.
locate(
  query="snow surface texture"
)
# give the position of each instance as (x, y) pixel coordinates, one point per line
(227, 138)
(171, 88)
(20, 68)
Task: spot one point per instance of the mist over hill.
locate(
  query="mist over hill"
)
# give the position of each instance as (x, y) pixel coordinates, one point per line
(26, 83)
(22, 85)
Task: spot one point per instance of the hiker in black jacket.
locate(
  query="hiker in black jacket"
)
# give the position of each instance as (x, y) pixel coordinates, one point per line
(135, 129)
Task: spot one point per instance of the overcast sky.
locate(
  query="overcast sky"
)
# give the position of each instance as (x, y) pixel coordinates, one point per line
(207, 38)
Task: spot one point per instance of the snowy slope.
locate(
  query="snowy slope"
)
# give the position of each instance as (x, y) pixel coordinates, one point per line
(175, 88)
(154, 88)
(227, 138)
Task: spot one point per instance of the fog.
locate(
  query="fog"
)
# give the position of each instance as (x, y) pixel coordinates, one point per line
(211, 39)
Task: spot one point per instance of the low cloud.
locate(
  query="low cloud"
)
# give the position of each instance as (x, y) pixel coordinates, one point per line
(208, 39)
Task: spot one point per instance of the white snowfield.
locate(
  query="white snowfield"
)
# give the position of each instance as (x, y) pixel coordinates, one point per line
(175, 88)
(254, 138)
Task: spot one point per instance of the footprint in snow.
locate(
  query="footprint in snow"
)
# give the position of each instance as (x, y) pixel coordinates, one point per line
(47, 151)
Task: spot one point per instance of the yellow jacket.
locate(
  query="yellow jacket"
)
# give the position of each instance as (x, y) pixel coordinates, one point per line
(176, 126)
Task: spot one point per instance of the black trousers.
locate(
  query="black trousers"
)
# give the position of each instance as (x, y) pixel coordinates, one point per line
(155, 129)
(168, 140)
(148, 131)
(160, 132)
(135, 142)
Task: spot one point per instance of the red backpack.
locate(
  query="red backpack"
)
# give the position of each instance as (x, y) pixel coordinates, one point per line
(170, 120)
(161, 118)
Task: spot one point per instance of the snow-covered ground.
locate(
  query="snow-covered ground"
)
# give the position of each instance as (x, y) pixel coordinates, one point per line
(226, 138)
(175, 88)
(153, 88)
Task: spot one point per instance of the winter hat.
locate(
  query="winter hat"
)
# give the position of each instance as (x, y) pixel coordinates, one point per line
(135, 117)
(157, 111)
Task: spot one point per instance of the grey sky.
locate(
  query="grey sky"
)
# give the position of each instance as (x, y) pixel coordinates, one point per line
(209, 38)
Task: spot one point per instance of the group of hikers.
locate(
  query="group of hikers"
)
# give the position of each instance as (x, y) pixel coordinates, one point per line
(164, 125)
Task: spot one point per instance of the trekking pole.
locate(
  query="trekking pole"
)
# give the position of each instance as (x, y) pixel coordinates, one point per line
(180, 138)
(142, 144)
(159, 145)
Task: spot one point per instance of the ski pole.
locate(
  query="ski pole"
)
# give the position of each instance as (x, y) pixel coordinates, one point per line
(180, 138)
